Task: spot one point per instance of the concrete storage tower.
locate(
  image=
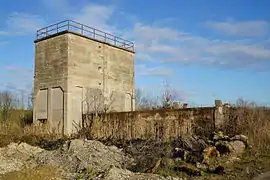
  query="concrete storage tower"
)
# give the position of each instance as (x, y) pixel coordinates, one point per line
(79, 69)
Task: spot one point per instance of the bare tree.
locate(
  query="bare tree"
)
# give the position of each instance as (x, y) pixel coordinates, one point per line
(245, 104)
(108, 102)
(5, 104)
(31, 100)
(169, 95)
(95, 102)
(138, 97)
(144, 102)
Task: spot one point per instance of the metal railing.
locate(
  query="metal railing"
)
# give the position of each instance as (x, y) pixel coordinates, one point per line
(72, 26)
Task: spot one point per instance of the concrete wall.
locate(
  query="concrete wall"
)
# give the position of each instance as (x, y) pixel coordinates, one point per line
(51, 71)
(103, 72)
(170, 124)
(89, 75)
(157, 124)
(95, 65)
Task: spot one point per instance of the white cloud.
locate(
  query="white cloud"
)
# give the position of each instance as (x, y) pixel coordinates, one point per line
(96, 16)
(22, 23)
(144, 57)
(156, 42)
(225, 53)
(152, 43)
(19, 70)
(241, 28)
(143, 70)
(151, 34)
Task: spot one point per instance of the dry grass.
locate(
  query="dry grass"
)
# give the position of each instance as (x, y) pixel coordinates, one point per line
(247, 119)
(15, 131)
(252, 121)
(39, 173)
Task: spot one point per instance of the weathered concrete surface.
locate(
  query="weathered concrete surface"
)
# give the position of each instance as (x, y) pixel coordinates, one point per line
(88, 74)
(74, 74)
(156, 125)
(42, 106)
(105, 74)
(51, 71)
(169, 124)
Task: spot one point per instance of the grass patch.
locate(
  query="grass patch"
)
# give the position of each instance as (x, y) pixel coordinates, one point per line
(35, 135)
(40, 173)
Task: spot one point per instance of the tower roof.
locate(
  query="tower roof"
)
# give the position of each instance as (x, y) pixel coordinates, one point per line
(83, 30)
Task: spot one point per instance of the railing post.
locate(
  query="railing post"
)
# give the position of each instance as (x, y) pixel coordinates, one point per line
(108, 38)
(82, 29)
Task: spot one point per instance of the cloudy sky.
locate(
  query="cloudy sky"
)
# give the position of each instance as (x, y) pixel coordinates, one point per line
(205, 49)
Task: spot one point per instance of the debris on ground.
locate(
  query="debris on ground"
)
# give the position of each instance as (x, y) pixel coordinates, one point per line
(189, 154)
(77, 159)
(16, 156)
(136, 159)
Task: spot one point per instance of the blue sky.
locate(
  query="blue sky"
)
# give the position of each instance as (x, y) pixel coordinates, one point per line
(206, 50)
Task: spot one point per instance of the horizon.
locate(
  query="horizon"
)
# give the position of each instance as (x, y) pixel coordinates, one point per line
(222, 52)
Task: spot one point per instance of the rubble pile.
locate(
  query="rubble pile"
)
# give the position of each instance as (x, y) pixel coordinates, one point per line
(189, 153)
(79, 159)
(208, 155)
(137, 159)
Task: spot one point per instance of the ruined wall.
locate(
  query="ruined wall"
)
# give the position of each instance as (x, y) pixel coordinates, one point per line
(157, 124)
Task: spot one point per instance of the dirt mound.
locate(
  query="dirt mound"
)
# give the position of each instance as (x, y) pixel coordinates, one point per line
(17, 156)
(77, 159)
(76, 155)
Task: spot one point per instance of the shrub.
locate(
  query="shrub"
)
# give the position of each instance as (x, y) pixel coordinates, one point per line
(251, 120)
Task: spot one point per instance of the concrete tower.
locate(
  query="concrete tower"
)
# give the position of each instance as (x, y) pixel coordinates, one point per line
(79, 69)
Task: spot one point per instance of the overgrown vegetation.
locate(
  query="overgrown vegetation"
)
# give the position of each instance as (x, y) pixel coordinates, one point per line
(16, 122)
(246, 118)
(251, 120)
